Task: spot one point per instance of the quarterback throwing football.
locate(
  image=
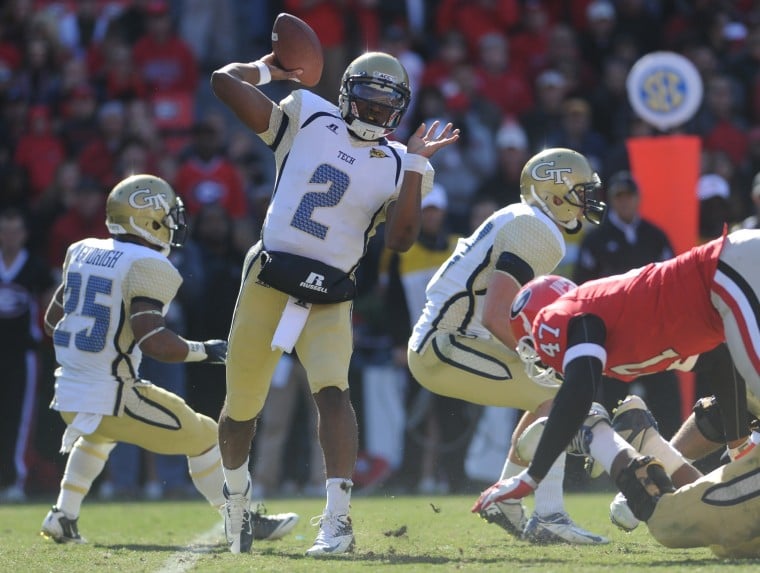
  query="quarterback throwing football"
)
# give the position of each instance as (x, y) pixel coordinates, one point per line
(338, 178)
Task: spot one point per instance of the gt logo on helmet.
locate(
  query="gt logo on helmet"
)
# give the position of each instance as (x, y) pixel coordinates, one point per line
(142, 199)
(549, 174)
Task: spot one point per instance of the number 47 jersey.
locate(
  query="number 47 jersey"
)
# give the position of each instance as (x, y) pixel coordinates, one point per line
(332, 188)
(94, 343)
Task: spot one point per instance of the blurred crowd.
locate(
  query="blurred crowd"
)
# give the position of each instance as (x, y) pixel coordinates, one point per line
(92, 90)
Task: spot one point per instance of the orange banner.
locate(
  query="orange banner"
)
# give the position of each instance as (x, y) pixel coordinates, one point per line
(667, 170)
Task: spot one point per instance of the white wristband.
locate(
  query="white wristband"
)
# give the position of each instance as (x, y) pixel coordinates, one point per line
(414, 162)
(265, 76)
(195, 351)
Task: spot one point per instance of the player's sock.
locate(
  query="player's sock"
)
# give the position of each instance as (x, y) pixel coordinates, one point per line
(237, 478)
(606, 444)
(549, 498)
(338, 496)
(207, 475)
(85, 463)
(655, 445)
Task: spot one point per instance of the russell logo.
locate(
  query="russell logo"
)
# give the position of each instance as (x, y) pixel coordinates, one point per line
(314, 282)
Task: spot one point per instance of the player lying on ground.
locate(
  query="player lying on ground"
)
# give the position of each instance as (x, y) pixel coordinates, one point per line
(718, 510)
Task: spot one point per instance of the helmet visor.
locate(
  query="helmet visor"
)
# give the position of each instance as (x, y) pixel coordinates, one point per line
(377, 104)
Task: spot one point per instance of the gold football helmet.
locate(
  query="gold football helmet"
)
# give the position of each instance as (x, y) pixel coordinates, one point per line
(147, 207)
(374, 95)
(562, 184)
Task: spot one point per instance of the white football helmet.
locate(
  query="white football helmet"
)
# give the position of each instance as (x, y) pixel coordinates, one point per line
(374, 95)
(147, 207)
(562, 184)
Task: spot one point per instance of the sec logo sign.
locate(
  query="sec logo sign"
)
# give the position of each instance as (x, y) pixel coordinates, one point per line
(664, 89)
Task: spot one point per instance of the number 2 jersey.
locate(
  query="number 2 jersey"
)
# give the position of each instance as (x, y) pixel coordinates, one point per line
(332, 189)
(656, 317)
(94, 344)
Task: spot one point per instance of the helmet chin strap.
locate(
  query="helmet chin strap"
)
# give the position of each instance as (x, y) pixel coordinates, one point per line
(357, 126)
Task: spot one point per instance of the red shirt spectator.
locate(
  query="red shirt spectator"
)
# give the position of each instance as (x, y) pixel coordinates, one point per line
(39, 151)
(207, 176)
(528, 45)
(451, 52)
(164, 60)
(498, 81)
(98, 158)
(83, 218)
(121, 80)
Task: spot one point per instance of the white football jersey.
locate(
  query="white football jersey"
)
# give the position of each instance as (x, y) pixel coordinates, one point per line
(332, 189)
(94, 343)
(456, 293)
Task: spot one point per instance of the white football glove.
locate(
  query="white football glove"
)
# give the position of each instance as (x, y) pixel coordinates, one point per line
(516, 487)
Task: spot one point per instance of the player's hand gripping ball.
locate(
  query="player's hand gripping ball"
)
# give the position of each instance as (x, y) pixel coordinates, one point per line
(295, 45)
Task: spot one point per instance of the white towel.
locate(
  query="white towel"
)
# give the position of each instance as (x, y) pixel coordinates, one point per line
(291, 324)
(84, 423)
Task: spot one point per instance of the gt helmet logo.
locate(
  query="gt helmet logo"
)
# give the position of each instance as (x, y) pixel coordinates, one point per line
(549, 174)
(142, 199)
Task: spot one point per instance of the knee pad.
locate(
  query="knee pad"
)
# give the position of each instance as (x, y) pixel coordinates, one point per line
(642, 483)
(527, 442)
(709, 420)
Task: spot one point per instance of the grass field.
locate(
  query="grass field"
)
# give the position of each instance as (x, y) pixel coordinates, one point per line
(399, 534)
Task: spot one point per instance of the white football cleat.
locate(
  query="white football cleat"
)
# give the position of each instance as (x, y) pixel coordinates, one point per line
(559, 528)
(336, 536)
(238, 522)
(61, 529)
(621, 515)
(509, 515)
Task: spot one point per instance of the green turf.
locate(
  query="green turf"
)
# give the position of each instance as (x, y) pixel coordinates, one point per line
(399, 534)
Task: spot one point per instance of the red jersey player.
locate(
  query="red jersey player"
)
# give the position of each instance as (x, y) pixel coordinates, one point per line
(660, 316)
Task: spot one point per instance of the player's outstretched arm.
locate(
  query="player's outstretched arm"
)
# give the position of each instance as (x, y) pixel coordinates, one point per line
(403, 216)
(235, 85)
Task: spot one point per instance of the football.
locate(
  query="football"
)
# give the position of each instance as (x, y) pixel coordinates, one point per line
(295, 45)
